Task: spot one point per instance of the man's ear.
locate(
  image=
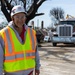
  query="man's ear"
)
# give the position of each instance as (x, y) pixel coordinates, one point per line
(12, 18)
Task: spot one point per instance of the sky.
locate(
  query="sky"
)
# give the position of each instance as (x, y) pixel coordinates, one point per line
(67, 5)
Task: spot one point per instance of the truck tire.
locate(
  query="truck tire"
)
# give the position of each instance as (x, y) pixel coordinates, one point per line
(54, 44)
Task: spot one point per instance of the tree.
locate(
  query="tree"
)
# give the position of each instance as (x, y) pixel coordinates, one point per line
(6, 6)
(57, 13)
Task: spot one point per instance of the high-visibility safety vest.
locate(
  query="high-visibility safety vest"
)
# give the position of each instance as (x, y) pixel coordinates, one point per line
(18, 56)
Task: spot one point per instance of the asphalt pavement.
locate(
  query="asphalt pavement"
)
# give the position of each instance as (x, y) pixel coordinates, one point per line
(58, 60)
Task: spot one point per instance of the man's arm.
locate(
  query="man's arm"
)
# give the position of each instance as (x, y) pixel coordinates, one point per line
(37, 60)
(1, 57)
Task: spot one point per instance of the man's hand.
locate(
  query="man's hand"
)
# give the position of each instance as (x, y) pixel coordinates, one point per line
(37, 72)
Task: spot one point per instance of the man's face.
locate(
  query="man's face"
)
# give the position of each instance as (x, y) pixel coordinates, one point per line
(19, 19)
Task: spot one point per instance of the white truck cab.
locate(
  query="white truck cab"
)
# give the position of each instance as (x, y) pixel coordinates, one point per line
(65, 32)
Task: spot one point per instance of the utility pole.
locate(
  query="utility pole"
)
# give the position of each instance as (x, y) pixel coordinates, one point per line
(37, 23)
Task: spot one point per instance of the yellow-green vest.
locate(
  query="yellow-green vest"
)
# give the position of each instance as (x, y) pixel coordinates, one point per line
(18, 56)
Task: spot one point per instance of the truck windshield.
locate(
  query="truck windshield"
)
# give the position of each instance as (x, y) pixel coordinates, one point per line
(67, 22)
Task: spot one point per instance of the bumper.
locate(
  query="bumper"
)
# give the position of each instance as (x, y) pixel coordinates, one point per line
(63, 39)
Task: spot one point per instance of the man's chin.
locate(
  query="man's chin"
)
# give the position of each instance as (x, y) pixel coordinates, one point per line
(19, 26)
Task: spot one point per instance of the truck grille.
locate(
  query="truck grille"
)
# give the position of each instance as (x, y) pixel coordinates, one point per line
(65, 31)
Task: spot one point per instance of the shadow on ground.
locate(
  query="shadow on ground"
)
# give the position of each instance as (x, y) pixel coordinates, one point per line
(58, 45)
(62, 52)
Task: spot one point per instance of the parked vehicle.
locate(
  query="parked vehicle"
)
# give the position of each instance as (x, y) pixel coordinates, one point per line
(65, 32)
(40, 35)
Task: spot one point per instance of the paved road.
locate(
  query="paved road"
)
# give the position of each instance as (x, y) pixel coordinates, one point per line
(58, 60)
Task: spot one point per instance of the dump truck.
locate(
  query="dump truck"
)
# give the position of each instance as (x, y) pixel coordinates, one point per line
(65, 31)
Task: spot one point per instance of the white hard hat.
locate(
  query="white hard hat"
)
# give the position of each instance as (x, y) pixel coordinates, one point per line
(17, 9)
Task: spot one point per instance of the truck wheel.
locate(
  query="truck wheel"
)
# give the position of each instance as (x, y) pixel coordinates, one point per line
(54, 44)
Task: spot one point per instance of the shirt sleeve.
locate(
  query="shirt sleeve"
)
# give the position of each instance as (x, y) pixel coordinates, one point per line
(37, 59)
(1, 56)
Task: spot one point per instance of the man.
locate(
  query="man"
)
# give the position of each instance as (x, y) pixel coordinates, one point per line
(18, 47)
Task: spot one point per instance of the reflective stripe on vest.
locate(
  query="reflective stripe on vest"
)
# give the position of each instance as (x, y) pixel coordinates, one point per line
(33, 38)
(17, 53)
